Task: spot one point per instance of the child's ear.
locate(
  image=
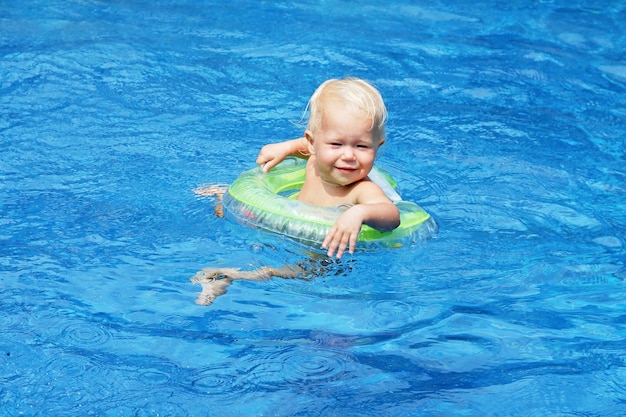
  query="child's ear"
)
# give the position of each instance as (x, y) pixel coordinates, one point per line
(309, 138)
(380, 142)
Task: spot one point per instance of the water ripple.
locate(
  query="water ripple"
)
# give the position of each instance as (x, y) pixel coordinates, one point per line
(211, 380)
(13, 319)
(385, 313)
(85, 335)
(315, 365)
(154, 377)
(292, 366)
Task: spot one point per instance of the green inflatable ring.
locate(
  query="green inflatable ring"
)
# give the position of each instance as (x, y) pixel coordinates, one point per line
(266, 201)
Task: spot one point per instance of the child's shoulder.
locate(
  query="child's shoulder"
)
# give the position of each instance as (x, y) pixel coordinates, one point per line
(367, 190)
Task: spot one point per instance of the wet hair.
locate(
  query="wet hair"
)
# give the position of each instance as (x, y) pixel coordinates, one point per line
(360, 97)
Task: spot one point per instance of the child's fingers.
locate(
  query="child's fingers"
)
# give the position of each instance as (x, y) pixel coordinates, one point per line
(352, 246)
(340, 250)
(326, 243)
(330, 242)
(264, 166)
(338, 242)
(267, 164)
(349, 242)
(264, 158)
(261, 159)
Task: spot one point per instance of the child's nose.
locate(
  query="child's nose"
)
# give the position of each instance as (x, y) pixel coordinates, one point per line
(348, 152)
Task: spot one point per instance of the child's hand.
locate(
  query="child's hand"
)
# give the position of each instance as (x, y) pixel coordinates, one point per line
(274, 153)
(344, 233)
(271, 155)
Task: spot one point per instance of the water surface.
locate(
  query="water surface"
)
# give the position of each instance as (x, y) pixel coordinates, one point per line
(506, 124)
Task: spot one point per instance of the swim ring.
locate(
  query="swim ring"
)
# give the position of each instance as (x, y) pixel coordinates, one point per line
(266, 201)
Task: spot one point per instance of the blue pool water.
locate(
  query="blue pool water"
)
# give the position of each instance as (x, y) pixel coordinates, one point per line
(507, 123)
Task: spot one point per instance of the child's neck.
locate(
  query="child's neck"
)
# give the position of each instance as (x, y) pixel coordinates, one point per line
(321, 193)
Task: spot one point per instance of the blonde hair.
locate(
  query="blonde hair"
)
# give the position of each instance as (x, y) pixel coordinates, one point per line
(360, 97)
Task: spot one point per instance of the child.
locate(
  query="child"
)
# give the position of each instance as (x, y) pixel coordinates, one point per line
(345, 129)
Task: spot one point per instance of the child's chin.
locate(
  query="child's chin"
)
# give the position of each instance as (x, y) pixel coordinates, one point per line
(347, 180)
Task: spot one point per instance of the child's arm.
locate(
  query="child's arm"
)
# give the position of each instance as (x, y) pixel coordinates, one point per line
(274, 153)
(375, 210)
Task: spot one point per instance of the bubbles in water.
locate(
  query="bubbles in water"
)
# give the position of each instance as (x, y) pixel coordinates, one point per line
(256, 248)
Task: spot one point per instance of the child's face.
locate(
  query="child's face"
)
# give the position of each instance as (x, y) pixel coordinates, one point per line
(343, 144)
